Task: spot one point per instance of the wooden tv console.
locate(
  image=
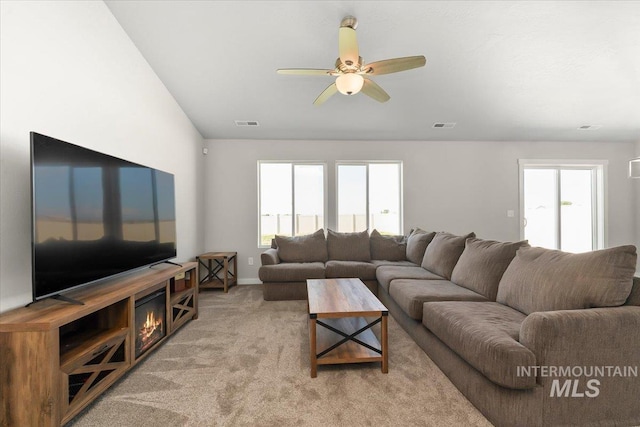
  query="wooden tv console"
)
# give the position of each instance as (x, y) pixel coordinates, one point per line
(56, 358)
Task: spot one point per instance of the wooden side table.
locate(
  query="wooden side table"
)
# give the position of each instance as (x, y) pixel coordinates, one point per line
(215, 263)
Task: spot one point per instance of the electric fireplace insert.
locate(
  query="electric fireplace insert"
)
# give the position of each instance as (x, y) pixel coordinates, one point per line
(150, 326)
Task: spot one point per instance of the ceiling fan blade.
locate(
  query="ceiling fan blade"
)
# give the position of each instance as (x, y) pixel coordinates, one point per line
(305, 71)
(326, 94)
(371, 88)
(395, 65)
(348, 46)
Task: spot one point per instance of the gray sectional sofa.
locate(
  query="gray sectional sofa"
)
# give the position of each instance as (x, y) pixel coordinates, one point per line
(286, 267)
(531, 336)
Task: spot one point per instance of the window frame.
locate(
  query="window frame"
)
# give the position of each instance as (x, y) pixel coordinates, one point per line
(366, 163)
(293, 164)
(599, 208)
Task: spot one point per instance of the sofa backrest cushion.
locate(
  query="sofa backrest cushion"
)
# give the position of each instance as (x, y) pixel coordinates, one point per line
(389, 248)
(348, 246)
(417, 243)
(443, 252)
(634, 296)
(308, 248)
(547, 280)
(482, 264)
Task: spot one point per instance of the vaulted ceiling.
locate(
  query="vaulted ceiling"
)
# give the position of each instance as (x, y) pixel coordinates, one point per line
(500, 70)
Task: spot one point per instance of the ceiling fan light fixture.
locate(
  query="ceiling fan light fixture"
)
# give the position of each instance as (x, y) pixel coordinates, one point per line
(349, 83)
(349, 68)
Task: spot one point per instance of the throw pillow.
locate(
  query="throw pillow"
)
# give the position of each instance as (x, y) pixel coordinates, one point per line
(541, 279)
(348, 246)
(389, 248)
(417, 243)
(443, 252)
(308, 248)
(417, 230)
(482, 265)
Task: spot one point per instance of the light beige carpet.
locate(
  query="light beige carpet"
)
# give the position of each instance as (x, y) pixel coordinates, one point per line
(245, 362)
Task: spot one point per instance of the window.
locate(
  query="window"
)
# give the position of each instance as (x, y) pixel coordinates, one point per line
(369, 195)
(291, 199)
(562, 204)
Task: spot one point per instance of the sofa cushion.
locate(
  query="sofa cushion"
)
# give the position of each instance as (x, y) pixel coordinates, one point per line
(308, 248)
(345, 269)
(485, 335)
(482, 264)
(390, 248)
(541, 279)
(387, 273)
(348, 246)
(381, 262)
(634, 296)
(292, 272)
(417, 243)
(411, 294)
(443, 253)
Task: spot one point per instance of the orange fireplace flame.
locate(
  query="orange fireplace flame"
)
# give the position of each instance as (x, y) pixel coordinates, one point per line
(150, 326)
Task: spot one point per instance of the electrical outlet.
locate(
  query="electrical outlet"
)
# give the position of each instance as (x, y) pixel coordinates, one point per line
(250, 260)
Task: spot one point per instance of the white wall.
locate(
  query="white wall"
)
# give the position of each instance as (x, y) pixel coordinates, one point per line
(453, 186)
(68, 70)
(636, 186)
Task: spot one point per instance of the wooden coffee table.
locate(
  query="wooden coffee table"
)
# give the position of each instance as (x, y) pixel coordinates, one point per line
(340, 306)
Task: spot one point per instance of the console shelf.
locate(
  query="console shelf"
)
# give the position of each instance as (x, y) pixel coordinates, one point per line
(60, 357)
(97, 343)
(91, 367)
(183, 306)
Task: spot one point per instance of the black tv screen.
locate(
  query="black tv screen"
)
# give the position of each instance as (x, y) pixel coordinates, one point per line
(95, 216)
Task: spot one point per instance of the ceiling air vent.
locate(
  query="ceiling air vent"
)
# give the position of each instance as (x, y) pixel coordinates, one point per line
(247, 123)
(589, 127)
(443, 125)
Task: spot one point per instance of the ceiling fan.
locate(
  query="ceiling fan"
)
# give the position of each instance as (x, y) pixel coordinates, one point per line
(350, 71)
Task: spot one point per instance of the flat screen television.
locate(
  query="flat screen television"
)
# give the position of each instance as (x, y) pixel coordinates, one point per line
(95, 216)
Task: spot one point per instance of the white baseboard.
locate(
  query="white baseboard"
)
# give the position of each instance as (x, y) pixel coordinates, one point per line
(251, 281)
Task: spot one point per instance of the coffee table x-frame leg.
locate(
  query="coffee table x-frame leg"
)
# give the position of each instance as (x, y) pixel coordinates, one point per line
(371, 353)
(351, 337)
